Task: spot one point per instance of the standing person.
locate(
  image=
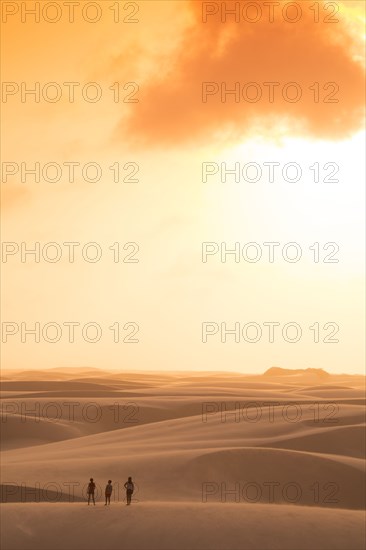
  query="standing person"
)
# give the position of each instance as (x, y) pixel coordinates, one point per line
(129, 486)
(108, 492)
(91, 490)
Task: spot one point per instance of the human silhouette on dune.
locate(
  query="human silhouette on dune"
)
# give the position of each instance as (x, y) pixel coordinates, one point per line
(91, 490)
(108, 492)
(129, 486)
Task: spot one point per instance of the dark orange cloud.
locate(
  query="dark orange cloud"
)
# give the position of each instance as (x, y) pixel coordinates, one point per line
(271, 55)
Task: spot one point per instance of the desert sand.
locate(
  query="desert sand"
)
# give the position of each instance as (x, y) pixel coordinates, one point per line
(220, 460)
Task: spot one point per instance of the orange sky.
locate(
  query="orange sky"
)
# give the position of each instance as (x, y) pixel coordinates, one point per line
(171, 211)
(171, 108)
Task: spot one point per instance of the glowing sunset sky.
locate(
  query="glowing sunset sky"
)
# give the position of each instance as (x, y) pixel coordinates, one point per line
(171, 211)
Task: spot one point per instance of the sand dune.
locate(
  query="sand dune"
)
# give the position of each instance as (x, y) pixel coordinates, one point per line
(159, 526)
(343, 440)
(41, 386)
(211, 455)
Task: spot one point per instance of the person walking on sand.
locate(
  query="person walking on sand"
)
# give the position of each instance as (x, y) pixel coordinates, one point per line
(129, 486)
(108, 492)
(91, 490)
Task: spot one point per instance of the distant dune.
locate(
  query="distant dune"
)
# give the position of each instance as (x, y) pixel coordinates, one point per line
(278, 371)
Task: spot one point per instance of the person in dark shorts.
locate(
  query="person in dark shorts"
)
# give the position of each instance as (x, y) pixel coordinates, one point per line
(91, 490)
(129, 486)
(108, 492)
